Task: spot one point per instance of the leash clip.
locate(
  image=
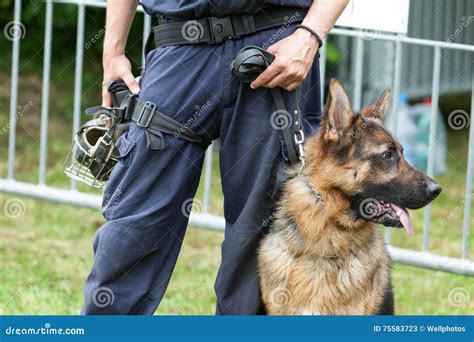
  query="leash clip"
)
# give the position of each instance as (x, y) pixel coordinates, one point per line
(299, 140)
(299, 137)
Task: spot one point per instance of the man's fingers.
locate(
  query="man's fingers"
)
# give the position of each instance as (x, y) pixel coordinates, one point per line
(291, 86)
(293, 82)
(106, 99)
(106, 120)
(277, 81)
(131, 83)
(129, 80)
(266, 76)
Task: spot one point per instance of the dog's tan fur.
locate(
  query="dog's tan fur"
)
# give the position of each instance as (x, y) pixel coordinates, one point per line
(313, 263)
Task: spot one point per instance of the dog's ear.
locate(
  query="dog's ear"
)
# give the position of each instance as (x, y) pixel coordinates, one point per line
(379, 110)
(338, 111)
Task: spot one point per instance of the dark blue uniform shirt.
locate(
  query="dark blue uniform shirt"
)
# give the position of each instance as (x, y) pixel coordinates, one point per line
(194, 9)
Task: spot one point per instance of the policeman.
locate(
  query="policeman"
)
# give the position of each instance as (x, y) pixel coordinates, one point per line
(187, 77)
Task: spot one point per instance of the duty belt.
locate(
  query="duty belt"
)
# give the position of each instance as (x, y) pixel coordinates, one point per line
(215, 30)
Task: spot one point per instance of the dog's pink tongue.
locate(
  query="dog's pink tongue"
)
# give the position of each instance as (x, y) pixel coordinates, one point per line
(404, 217)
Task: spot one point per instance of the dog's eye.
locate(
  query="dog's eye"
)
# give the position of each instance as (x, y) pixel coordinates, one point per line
(388, 155)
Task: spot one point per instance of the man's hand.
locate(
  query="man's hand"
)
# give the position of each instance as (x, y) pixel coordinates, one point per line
(117, 67)
(294, 56)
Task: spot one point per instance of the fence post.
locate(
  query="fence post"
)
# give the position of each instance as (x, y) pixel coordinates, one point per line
(207, 179)
(146, 32)
(81, 11)
(14, 91)
(359, 63)
(48, 38)
(322, 68)
(432, 138)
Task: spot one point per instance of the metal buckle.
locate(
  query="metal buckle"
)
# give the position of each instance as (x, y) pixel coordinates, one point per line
(221, 29)
(149, 109)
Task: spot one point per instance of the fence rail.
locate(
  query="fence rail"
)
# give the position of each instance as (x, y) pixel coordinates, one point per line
(205, 219)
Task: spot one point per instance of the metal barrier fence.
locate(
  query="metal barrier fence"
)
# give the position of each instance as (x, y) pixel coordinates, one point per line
(205, 219)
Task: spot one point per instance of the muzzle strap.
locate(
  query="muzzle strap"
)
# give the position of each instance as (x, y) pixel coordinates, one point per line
(128, 107)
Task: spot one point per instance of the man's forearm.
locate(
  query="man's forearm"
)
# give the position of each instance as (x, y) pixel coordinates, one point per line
(323, 14)
(118, 21)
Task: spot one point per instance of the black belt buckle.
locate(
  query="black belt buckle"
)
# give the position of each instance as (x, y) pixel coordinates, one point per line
(221, 29)
(146, 114)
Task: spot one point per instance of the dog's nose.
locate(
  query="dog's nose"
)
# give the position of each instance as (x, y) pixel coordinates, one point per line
(433, 189)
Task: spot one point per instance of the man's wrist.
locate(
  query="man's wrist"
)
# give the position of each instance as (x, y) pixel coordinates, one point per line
(307, 36)
(114, 47)
(316, 37)
(107, 55)
(113, 51)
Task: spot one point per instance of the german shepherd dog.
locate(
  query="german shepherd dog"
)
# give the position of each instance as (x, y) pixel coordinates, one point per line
(324, 254)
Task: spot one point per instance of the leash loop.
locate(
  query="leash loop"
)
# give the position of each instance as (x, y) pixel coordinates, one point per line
(249, 63)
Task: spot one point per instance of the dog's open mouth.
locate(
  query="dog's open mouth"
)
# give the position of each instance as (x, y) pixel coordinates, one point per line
(388, 214)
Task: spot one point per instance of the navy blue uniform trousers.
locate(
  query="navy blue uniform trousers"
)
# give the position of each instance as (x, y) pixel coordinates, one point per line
(136, 250)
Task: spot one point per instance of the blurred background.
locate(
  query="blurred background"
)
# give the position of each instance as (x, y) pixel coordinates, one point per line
(50, 71)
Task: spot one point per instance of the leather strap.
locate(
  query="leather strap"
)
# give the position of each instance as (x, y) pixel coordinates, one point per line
(156, 123)
(127, 106)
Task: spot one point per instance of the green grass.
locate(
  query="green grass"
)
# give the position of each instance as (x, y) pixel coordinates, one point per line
(46, 251)
(46, 254)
